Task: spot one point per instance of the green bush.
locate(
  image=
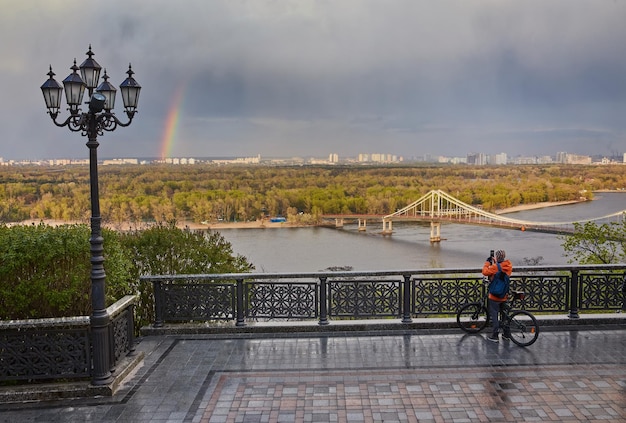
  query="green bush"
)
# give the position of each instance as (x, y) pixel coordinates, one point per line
(45, 270)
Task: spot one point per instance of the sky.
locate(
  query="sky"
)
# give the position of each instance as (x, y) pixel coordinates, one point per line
(308, 78)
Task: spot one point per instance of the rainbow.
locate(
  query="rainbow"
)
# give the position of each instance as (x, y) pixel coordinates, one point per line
(171, 123)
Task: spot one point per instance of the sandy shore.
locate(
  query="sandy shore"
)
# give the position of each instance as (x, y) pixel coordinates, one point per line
(523, 207)
(257, 224)
(265, 224)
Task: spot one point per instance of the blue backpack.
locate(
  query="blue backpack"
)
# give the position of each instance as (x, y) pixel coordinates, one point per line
(499, 286)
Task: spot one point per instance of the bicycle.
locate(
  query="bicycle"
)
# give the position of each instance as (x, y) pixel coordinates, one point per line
(474, 317)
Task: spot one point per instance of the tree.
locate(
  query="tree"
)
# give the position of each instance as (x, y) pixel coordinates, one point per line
(45, 270)
(164, 249)
(593, 243)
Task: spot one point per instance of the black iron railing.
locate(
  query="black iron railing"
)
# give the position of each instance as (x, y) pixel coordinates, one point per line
(400, 294)
(49, 349)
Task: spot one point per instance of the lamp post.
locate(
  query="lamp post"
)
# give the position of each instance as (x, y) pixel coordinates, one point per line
(94, 122)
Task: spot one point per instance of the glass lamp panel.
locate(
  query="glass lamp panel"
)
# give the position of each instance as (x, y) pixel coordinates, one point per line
(130, 91)
(130, 96)
(90, 76)
(90, 71)
(74, 91)
(52, 93)
(108, 91)
(52, 97)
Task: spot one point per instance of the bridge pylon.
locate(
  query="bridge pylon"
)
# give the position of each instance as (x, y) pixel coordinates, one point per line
(435, 231)
(387, 227)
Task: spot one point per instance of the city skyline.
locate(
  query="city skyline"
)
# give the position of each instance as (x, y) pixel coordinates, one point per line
(305, 77)
(83, 155)
(476, 158)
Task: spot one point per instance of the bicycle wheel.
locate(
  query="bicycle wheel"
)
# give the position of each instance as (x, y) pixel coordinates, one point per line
(472, 317)
(524, 328)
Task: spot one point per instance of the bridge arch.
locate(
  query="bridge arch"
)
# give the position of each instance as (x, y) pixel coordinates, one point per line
(438, 206)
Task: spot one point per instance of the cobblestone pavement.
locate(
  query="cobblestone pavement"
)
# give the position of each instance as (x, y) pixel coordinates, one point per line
(437, 376)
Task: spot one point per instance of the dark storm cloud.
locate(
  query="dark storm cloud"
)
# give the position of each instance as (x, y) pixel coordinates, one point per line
(312, 77)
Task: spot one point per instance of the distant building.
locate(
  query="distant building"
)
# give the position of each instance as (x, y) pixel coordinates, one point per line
(499, 159)
(578, 159)
(451, 160)
(120, 162)
(240, 160)
(544, 160)
(478, 159)
(60, 162)
(566, 158)
(378, 158)
(523, 160)
(315, 161)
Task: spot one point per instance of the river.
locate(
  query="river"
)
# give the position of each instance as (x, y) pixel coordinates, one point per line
(312, 249)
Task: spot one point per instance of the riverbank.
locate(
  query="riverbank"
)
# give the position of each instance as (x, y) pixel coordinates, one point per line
(265, 223)
(258, 224)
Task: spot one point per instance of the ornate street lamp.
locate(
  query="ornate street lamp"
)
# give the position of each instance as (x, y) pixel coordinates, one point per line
(94, 122)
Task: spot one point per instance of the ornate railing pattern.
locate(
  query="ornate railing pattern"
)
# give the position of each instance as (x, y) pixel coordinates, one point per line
(364, 298)
(360, 295)
(545, 293)
(601, 291)
(194, 299)
(121, 330)
(285, 300)
(33, 350)
(444, 295)
(40, 349)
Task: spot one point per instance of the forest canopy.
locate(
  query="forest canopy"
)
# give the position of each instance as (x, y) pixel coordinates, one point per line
(199, 193)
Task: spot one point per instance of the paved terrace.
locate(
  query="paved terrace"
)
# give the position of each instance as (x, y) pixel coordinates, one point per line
(571, 374)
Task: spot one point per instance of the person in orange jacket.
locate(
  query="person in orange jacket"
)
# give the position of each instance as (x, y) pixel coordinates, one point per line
(496, 304)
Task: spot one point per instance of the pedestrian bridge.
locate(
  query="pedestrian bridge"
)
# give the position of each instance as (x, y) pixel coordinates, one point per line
(438, 206)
